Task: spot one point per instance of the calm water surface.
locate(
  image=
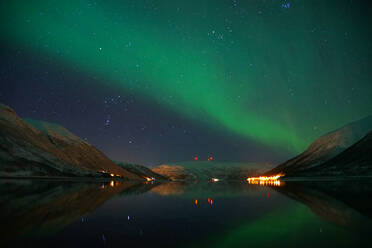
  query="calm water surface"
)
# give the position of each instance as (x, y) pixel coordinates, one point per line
(117, 214)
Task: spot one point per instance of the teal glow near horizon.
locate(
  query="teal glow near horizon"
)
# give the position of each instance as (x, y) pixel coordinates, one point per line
(258, 75)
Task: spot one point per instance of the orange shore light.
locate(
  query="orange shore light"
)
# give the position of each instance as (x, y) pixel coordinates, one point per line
(266, 181)
(149, 179)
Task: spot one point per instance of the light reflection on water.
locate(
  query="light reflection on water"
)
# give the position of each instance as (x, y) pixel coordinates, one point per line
(209, 200)
(117, 214)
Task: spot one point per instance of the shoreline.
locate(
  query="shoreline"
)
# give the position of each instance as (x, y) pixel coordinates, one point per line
(78, 179)
(95, 179)
(324, 179)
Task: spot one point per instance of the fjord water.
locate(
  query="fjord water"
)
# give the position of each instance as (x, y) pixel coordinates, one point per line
(127, 214)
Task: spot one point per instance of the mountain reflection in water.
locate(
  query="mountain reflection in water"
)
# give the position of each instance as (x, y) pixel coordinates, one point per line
(222, 214)
(343, 203)
(48, 206)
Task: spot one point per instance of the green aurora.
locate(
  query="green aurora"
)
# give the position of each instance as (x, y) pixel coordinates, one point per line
(259, 75)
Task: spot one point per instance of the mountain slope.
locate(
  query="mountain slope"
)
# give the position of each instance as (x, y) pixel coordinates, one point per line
(354, 161)
(325, 147)
(43, 149)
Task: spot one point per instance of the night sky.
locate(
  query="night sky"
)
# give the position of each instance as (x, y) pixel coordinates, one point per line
(153, 82)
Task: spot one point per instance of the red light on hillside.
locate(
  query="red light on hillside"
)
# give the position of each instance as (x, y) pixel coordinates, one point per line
(210, 158)
(196, 158)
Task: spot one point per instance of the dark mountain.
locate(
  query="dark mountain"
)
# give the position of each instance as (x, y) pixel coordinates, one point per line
(325, 148)
(36, 148)
(354, 161)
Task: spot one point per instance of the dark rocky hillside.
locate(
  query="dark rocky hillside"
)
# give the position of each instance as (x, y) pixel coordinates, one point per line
(36, 148)
(325, 148)
(354, 161)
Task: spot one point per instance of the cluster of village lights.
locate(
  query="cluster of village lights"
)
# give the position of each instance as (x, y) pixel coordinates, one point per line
(266, 181)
